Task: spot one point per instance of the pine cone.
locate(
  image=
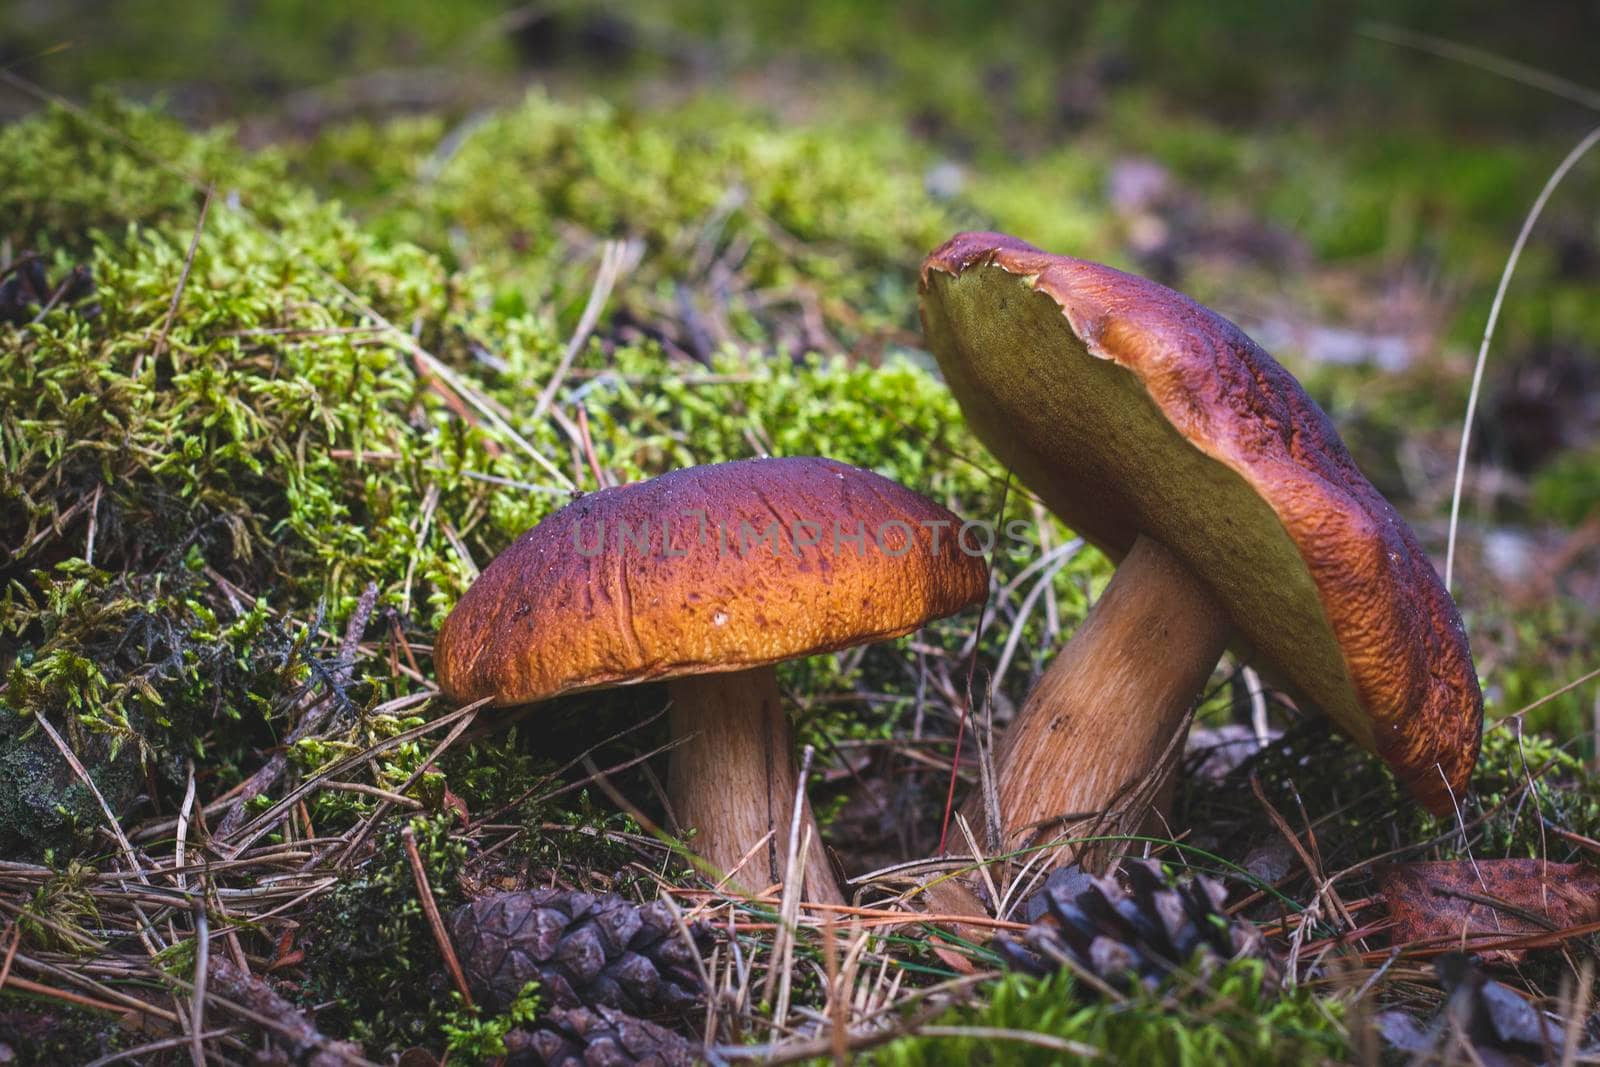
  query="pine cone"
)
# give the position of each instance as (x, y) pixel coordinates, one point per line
(1482, 1021)
(582, 950)
(603, 1037)
(1140, 934)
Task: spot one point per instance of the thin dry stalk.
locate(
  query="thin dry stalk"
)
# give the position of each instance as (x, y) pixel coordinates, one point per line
(112, 822)
(983, 865)
(111, 999)
(1516, 716)
(313, 710)
(1045, 583)
(430, 907)
(781, 966)
(202, 967)
(1578, 152)
(160, 347)
(835, 1008)
(137, 1053)
(181, 841)
(1314, 869)
(1574, 1010)
(11, 952)
(616, 259)
(1022, 1037)
(263, 823)
(430, 503)
(24, 985)
(1482, 60)
(587, 441)
(94, 522)
(466, 716)
(732, 877)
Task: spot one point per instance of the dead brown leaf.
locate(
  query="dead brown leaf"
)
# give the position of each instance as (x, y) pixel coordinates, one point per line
(1460, 902)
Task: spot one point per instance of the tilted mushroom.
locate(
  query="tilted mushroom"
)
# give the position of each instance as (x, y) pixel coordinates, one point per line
(705, 578)
(1164, 435)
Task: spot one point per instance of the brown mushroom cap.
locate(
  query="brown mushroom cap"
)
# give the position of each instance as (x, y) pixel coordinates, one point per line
(663, 595)
(1130, 409)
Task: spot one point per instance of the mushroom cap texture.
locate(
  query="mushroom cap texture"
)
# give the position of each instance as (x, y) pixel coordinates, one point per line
(1130, 409)
(702, 570)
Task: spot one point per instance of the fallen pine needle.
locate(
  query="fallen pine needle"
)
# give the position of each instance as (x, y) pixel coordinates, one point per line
(431, 909)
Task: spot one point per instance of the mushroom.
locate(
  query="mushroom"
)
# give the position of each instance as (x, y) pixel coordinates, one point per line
(1169, 439)
(705, 578)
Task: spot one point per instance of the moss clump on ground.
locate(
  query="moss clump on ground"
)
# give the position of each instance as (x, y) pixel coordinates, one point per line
(1235, 1021)
(743, 225)
(70, 176)
(253, 464)
(371, 955)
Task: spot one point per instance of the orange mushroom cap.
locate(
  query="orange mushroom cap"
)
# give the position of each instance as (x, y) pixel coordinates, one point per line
(705, 569)
(1130, 409)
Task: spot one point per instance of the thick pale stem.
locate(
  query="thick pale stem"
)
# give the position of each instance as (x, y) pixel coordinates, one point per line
(734, 780)
(1099, 736)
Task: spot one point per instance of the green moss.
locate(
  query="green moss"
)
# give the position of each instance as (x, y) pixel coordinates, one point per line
(1056, 201)
(283, 442)
(67, 902)
(369, 949)
(1568, 489)
(240, 451)
(69, 174)
(1235, 1021)
(473, 1039)
(1401, 195)
(1565, 794)
(1537, 649)
(828, 216)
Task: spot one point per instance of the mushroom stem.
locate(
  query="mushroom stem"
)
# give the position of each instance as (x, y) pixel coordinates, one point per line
(1098, 738)
(734, 780)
